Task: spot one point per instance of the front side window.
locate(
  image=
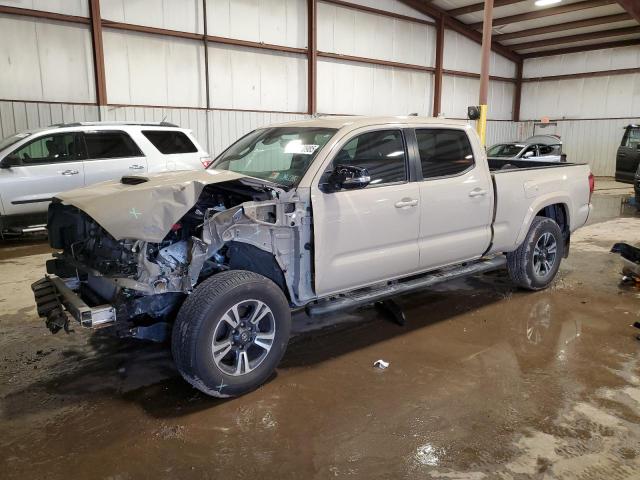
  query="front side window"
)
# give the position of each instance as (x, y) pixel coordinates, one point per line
(170, 142)
(505, 150)
(381, 152)
(61, 147)
(531, 150)
(110, 144)
(279, 154)
(631, 138)
(444, 152)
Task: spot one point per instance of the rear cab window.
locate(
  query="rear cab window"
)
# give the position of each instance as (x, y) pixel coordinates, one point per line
(444, 152)
(169, 142)
(103, 144)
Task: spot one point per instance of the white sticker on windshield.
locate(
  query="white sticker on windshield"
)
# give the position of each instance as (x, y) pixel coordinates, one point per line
(296, 146)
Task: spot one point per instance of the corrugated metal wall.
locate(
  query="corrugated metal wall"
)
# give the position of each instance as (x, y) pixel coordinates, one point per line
(214, 129)
(590, 112)
(591, 141)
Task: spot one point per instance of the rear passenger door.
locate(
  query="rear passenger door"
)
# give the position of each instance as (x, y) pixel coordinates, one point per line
(110, 155)
(174, 150)
(370, 234)
(456, 199)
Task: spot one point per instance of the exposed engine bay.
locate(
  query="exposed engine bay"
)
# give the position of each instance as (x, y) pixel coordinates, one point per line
(238, 224)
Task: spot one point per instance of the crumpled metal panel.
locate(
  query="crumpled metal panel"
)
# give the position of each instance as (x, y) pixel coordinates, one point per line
(146, 211)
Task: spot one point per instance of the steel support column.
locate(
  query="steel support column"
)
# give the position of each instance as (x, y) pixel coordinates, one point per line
(437, 78)
(484, 69)
(312, 57)
(98, 52)
(517, 94)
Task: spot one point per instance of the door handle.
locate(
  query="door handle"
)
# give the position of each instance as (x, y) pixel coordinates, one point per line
(136, 167)
(69, 172)
(407, 202)
(478, 192)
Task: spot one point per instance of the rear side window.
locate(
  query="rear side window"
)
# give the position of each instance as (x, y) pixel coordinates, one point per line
(61, 147)
(549, 149)
(110, 144)
(381, 153)
(169, 142)
(444, 152)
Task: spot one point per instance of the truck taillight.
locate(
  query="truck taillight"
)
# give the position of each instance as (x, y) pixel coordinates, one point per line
(206, 161)
(592, 185)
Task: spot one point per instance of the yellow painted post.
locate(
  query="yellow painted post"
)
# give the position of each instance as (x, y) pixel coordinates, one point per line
(481, 125)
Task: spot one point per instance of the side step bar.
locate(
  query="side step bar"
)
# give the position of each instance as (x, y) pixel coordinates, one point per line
(367, 296)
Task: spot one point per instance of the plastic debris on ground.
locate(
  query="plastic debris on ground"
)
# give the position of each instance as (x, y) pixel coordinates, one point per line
(381, 364)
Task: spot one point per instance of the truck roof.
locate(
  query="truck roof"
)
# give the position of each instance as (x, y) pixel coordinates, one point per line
(354, 122)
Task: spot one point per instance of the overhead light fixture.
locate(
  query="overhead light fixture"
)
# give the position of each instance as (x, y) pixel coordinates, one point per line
(544, 3)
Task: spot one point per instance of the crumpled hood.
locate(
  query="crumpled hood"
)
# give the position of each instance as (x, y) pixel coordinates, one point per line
(146, 211)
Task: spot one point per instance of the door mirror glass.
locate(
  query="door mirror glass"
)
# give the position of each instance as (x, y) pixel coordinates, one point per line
(10, 161)
(528, 154)
(348, 177)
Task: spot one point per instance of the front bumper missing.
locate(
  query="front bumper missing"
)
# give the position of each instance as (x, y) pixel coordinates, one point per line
(54, 299)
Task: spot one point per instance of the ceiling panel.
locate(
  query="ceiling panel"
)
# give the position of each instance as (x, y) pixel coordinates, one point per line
(575, 31)
(555, 19)
(578, 44)
(508, 10)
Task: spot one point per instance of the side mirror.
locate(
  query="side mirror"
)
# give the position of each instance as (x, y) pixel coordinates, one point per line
(527, 155)
(9, 161)
(348, 177)
(473, 113)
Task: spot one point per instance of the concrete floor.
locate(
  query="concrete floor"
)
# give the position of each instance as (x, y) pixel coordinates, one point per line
(484, 382)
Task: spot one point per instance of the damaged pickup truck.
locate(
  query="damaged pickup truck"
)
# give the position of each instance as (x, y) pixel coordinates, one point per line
(324, 214)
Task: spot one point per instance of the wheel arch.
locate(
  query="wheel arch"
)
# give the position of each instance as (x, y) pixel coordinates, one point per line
(555, 208)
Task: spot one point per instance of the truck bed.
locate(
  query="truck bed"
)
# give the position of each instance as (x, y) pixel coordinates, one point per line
(496, 165)
(523, 190)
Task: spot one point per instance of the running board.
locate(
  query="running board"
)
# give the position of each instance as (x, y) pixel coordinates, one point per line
(371, 295)
(14, 231)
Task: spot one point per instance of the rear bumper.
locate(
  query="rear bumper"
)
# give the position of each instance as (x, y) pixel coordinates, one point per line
(55, 299)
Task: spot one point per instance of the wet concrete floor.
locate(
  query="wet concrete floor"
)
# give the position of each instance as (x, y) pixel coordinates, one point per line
(484, 382)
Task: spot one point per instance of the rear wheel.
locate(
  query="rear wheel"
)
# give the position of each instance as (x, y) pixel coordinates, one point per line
(231, 333)
(535, 263)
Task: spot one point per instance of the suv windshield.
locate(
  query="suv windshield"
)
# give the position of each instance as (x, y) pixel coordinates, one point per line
(7, 142)
(279, 154)
(505, 150)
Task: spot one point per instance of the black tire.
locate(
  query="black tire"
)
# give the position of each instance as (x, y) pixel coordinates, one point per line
(201, 317)
(520, 263)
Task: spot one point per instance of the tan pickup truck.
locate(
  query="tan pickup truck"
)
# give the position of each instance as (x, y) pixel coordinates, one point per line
(327, 214)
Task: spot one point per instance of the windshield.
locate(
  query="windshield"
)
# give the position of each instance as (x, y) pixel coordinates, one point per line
(7, 142)
(505, 150)
(280, 154)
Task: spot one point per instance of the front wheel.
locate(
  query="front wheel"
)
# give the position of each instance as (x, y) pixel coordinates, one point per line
(535, 263)
(231, 333)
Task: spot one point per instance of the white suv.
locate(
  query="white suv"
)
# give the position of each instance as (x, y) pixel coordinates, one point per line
(38, 164)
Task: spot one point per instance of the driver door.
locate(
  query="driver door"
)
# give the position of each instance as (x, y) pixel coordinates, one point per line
(370, 234)
(40, 170)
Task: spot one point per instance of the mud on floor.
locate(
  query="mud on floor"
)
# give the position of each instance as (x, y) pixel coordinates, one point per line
(484, 382)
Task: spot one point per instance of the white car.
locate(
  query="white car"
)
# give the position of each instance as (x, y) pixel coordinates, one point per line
(539, 148)
(37, 165)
